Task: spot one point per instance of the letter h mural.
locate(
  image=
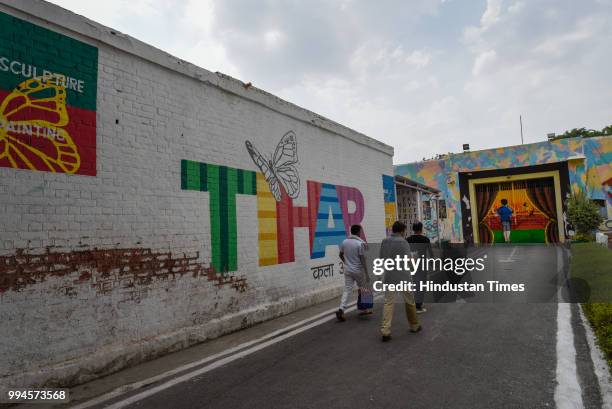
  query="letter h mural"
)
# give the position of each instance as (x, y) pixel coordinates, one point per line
(327, 215)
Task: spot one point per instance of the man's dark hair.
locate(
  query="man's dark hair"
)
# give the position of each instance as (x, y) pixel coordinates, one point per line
(355, 229)
(417, 227)
(398, 227)
(504, 202)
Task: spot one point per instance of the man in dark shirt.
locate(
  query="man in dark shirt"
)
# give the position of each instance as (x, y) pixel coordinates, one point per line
(421, 245)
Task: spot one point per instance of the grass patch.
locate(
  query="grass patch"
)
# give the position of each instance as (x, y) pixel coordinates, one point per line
(592, 264)
(591, 271)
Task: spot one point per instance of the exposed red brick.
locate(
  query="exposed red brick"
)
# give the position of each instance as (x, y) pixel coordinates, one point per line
(106, 268)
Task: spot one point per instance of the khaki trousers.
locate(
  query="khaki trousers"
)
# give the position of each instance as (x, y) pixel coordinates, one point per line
(411, 313)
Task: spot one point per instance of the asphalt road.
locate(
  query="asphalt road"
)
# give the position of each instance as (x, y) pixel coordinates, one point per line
(469, 355)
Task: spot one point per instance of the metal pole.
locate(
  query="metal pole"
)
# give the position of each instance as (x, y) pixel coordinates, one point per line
(521, 120)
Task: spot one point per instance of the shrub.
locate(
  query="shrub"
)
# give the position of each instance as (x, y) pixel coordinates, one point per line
(583, 214)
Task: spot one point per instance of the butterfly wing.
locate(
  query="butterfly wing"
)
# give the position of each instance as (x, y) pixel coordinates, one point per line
(290, 179)
(285, 157)
(286, 151)
(35, 139)
(263, 165)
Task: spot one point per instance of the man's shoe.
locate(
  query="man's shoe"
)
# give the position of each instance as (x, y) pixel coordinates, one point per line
(340, 315)
(386, 338)
(419, 329)
(421, 310)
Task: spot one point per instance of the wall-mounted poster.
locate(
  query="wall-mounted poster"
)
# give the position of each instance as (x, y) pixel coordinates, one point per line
(48, 85)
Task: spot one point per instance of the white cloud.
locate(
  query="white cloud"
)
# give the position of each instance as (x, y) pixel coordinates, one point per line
(483, 62)
(273, 39)
(424, 76)
(418, 58)
(560, 44)
(491, 14)
(516, 7)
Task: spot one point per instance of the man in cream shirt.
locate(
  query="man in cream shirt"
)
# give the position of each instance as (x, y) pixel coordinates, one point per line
(352, 254)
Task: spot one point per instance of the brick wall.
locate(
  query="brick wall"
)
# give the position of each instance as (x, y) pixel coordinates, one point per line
(135, 219)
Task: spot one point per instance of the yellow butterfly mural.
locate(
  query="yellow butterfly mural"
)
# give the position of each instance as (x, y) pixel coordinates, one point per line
(33, 136)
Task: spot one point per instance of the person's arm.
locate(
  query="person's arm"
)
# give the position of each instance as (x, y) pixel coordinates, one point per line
(365, 267)
(407, 249)
(362, 260)
(342, 256)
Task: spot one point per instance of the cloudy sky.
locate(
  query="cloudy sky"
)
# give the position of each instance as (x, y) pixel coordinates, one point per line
(424, 76)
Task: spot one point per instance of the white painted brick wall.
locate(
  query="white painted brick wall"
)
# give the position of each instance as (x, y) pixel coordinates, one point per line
(56, 331)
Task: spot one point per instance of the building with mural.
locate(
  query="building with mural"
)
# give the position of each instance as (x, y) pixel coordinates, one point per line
(534, 178)
(419, 202)
(149, 204)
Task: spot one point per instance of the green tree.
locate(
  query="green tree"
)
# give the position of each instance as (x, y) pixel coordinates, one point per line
(585, 133)
(583, 214)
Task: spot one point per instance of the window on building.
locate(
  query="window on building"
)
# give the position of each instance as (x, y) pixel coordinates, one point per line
(427, 210)
(442, 209)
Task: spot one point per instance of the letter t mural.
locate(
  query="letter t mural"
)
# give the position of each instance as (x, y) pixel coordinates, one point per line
(327, 215)
(222, 183)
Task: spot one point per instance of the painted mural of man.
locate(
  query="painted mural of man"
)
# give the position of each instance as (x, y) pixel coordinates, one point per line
(505, 215)
(352, 254)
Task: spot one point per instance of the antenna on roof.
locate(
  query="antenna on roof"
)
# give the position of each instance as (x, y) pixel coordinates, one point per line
(521, 121)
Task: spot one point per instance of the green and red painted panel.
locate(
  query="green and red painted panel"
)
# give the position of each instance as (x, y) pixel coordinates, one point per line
(48, 86)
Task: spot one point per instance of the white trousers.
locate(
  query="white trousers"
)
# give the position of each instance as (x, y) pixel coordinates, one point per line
(350, 278)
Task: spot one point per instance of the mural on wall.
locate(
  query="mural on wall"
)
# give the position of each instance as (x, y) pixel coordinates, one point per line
(389, 200)
(279, 171)
(589, 163)
(430, 217)
(598, 153)
(223, 184)
(48, 86)
(330, 211)
(533, 206)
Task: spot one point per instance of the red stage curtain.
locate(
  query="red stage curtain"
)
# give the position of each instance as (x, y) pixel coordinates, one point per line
(542, 195)
(485, 195)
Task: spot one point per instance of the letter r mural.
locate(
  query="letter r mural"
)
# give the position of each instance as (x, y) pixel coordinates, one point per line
(330, 212)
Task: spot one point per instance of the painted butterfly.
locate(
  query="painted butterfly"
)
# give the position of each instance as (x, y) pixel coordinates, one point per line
(32, 127)
(279, 170)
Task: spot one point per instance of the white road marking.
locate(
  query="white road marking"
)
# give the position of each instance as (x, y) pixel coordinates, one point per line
(174, 381)
(510, 257)
(276, 336)
(568, 394)
(599, 364)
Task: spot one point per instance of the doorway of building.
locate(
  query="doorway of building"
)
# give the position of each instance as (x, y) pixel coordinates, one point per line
(535, 204)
